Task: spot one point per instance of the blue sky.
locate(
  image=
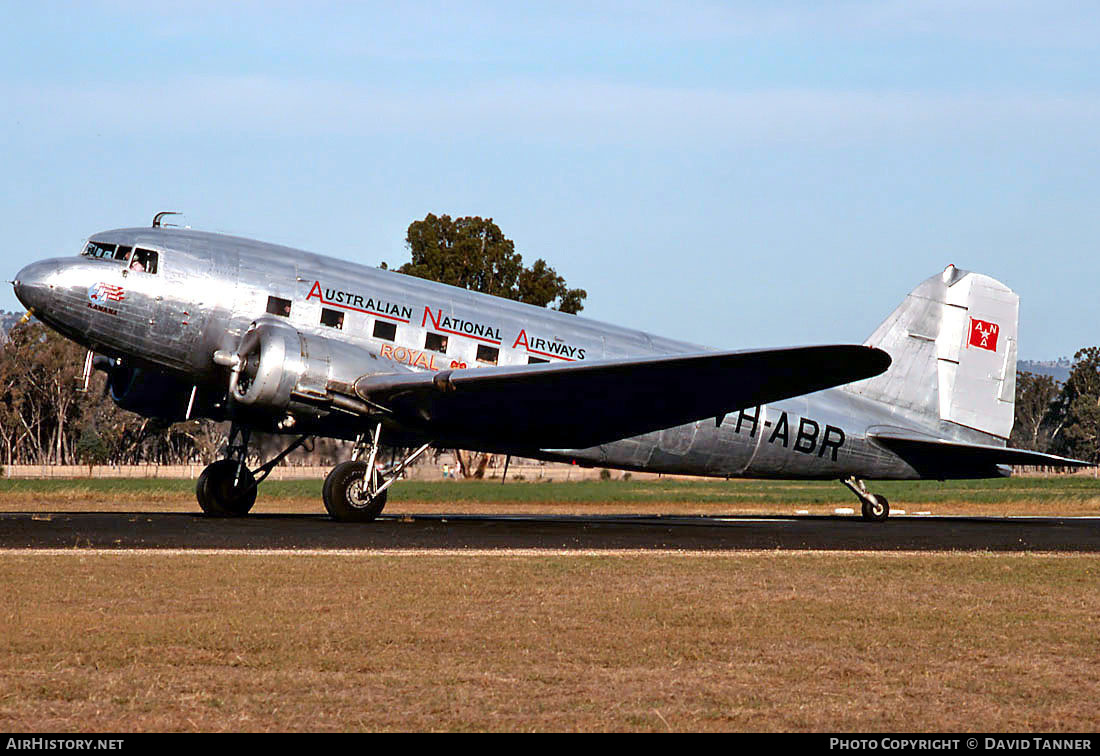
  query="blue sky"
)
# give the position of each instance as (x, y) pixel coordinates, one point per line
(733, 174)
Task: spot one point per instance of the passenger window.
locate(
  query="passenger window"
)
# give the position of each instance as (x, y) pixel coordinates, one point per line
(384, 330)
(332, 318)
(535, 360)
(143, 260)
(436, 342)
(487, 354)
(277, 306)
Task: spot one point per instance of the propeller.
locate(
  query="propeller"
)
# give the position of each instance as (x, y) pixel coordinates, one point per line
(238, 362)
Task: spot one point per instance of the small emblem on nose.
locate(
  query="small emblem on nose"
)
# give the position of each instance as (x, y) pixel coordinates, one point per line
(104, 292)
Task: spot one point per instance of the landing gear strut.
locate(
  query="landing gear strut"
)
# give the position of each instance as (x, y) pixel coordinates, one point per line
(355, 491)
(875, 506)
(227, 488)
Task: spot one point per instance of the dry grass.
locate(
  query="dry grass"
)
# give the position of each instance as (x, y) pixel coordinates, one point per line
(132, 641)
(93, 641)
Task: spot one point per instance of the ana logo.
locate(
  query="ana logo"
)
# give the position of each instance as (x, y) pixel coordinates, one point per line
(983, 334)
(101, 293)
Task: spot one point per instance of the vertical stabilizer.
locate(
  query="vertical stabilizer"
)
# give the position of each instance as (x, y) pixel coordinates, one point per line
(953, 344)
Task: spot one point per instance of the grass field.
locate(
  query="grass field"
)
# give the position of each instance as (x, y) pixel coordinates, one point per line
(1062, 495)
(123, 642)
(623, 641)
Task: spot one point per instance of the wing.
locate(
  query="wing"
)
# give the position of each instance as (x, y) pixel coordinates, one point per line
(939, 458)
(578, 405)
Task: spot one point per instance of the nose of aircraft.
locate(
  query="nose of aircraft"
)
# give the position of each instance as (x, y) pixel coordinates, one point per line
(31, 283)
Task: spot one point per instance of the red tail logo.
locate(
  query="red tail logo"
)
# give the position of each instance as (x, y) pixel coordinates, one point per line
(983, 334)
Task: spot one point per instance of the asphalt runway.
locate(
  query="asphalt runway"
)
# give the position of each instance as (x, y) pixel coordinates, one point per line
(135, 530)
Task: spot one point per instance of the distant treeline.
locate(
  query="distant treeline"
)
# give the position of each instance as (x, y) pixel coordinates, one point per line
(46, 419)
(1056, 369)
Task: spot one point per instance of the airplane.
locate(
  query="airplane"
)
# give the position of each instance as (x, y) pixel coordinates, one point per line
(191, 324)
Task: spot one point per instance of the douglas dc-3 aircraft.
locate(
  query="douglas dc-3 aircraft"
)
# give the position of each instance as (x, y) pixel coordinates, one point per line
(191, 324)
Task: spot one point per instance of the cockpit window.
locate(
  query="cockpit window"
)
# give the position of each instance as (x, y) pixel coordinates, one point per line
(143, 260)
(123, 252)
(99, 250)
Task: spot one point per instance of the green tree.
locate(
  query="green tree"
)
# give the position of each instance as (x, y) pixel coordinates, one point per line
(90, 448)
(1081, 405)
(1038, 412)
(474, 254)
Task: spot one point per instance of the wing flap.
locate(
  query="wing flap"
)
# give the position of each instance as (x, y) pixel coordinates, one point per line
(578, 405)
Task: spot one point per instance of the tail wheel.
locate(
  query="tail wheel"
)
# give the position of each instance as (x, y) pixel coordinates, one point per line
(346, 494)
(221, 493)
(876, 508)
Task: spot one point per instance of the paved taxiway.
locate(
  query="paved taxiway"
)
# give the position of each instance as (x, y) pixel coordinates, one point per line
(552, 532)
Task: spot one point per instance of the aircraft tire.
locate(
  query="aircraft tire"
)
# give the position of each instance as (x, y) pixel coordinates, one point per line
(216, 494)
(340, 493)
(876, 508)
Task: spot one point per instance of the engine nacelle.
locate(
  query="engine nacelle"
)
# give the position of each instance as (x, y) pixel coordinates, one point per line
(276, 362)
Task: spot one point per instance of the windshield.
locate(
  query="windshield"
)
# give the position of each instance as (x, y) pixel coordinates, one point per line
(104, 251)
(99, 249)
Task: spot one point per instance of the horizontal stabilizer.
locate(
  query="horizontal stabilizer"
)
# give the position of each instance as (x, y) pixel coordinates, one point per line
(939, 458)
(583, 404)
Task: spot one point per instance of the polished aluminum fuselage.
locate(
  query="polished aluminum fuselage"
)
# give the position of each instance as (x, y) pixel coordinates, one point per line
(209, 288)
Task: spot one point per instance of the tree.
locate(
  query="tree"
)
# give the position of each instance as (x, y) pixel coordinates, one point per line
(11, 400)
(1038, 412)
(90, 448)
(474, 254)
(45, 419)
(1081, 405)
(38, 391)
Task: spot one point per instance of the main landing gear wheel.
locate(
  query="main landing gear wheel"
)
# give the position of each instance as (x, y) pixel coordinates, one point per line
(876, 508)
(347, 496)
(226, 489)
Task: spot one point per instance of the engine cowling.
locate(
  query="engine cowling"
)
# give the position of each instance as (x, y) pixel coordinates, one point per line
(275, 363)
